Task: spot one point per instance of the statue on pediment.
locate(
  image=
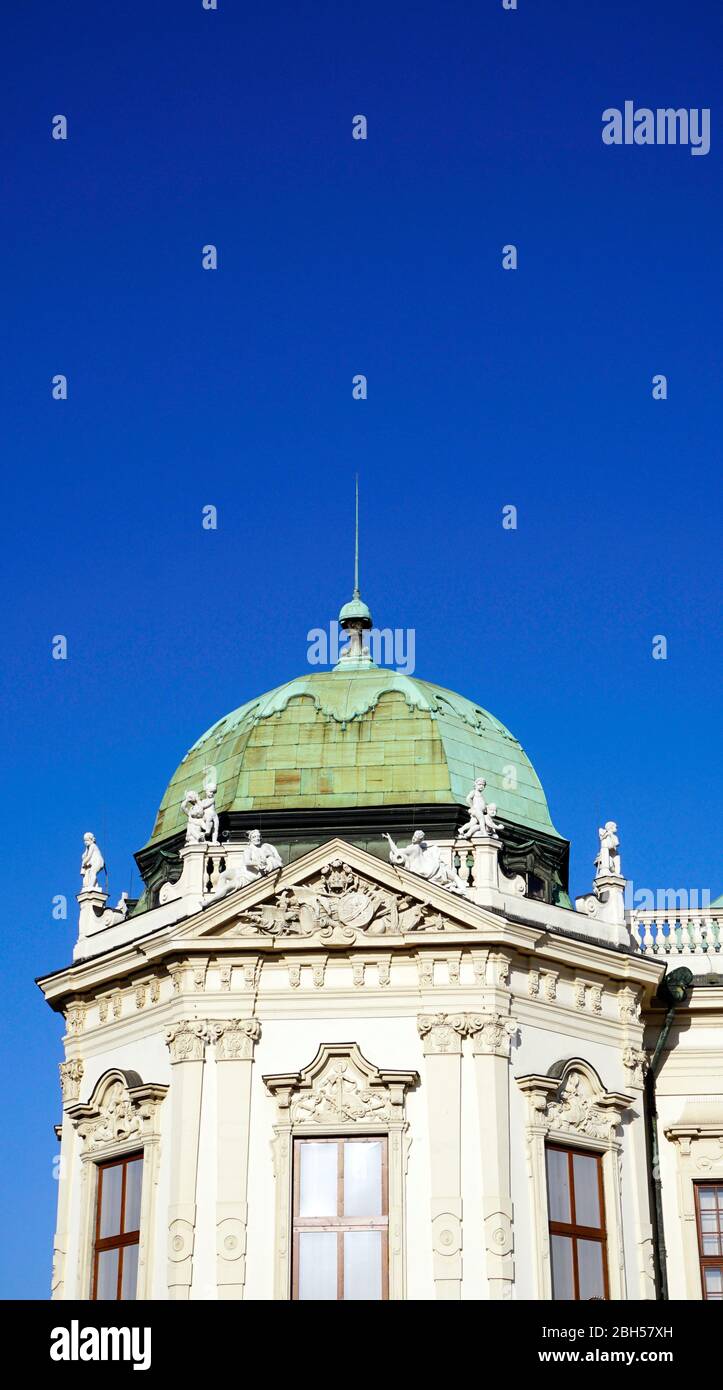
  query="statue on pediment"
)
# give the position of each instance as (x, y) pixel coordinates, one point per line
(423, 858)
(258, 860)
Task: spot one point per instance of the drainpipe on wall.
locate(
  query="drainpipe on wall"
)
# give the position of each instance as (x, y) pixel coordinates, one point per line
(673, 990)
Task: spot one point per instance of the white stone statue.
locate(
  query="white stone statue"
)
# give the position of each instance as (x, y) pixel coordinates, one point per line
(194, 810)
(91, 863)
(607, 860)
(481, 821)
(210, 814)
(425, 859)
(477, 807)
(258, 859)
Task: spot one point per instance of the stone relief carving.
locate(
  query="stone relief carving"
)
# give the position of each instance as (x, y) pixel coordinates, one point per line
(442, 1033)
(338, 904)
(71, 1075)
(574, 1103)
(636, 1061)
(340, 1087)
(577, 1110)
(119, 1111)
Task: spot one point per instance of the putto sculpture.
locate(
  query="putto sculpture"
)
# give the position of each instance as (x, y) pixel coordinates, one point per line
(425, 859)
(607, 859)
(481, 823)
(91, 863)
(201, 816)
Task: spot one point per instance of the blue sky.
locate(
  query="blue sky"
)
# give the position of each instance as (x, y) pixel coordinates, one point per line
(234, 388)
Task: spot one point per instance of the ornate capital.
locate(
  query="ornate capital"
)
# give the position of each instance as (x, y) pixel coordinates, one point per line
(186, 1041)
(71, 1075)
(235, 1038)
(636, 1062)
(441, 1033)
(491, 1033)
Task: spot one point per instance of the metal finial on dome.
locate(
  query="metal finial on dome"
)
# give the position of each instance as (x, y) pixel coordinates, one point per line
(356, 613)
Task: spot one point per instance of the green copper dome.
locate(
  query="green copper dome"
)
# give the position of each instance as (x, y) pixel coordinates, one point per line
(363, 737)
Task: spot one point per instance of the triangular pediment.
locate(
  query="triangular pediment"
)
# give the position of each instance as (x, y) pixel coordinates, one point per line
(337, 894)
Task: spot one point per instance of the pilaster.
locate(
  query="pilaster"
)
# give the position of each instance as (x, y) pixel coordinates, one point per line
(234, 1039)
(186, 1042)
(441, 1036)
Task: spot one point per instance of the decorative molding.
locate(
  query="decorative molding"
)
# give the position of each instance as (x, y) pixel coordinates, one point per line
(71, 1075)
(75, 1017)
(341, 1088)
(121, 1111)
(636, 1063)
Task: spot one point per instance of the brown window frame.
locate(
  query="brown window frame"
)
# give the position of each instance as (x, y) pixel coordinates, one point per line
(706, 1261)
(571, 1228)
(340, 1223)
(124, 1238)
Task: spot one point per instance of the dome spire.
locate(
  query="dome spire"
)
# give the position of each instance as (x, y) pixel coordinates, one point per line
(355, 617)
(357, 595)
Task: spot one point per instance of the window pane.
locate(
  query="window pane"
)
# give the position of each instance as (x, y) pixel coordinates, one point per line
(111, 1180)
(107, 1286)
(709, 1221)
(129, 1277)
(713, 1282)
(362, 1179)
(587, 1195)
(562, 1280)
(711, 1245)
(317, 1262)
(706, 1198)
(134, 1175)
(558, 1185)
(318, 1195)
(363, 1262)
(590, 1269)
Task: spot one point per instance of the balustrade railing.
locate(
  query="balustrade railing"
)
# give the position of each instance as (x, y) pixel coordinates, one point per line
(698, 931)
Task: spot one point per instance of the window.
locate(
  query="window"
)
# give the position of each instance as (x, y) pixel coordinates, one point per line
(577, 1224)
(341, 1219)
(117, 1228)
(709, 1217)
